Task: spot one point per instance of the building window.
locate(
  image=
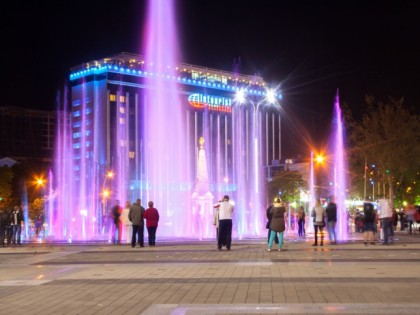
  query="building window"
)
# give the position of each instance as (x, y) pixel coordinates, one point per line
(76, 145)
(76, 113)
(122, 109)
(76, 135)
(122, 121)
(112, 97)
(131, 155)
(122, 98)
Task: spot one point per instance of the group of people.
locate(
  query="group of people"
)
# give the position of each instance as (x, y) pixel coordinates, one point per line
(276, 224)
(10, 226)
(132, 217)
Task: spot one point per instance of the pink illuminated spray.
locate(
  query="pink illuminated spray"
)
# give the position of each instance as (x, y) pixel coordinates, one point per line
(165, 158)
(339, 165)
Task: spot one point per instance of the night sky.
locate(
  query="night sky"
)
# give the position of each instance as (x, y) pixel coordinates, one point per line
(309, 48)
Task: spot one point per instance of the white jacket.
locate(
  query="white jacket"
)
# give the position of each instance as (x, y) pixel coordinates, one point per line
(385, 209)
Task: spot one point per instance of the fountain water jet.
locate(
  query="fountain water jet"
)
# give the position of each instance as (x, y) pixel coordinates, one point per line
(338, 150)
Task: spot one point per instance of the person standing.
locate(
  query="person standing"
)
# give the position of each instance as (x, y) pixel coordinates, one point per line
(269, 218)
(331, 213)
(16, 221)
(128, 226)
(369, 224)
(116, 214)
(318, 215)
(301, 221)
(277, 223)
(216, 222)
(4, 221)
(152, 218)
(385, 216)
(136, 217)
(225, 223)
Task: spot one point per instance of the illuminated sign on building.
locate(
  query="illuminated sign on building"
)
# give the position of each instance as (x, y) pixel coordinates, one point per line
(216, 103)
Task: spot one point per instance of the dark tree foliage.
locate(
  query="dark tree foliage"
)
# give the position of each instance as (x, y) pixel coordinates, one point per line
(386, 141)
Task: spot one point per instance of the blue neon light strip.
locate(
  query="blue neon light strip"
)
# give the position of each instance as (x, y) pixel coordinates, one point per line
(145, 74)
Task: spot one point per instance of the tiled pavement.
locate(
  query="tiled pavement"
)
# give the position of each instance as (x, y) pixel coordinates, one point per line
(189, 277)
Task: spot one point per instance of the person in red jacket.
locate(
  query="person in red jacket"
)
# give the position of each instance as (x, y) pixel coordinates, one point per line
(152, 218)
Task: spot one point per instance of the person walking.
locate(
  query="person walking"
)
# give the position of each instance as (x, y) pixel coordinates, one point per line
(318, 215)
(16, 221)
(152, 219)
(278, 224)
(225, 223)
(385, 216)
(369, 223)
(127, 225)
(116, 214)
(331, 213)
(136, 217)
(301, 221)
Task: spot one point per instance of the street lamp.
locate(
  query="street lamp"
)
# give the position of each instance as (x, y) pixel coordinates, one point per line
(270, 97)
(105, 195)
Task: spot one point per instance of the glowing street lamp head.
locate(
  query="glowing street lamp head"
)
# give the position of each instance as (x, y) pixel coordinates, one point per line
(110, 174)
(271, 96)
(40, 181)
(105, 193)
(319, 159)
(240, 96)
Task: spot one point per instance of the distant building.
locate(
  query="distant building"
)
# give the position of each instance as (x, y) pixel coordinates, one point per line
(27, 135)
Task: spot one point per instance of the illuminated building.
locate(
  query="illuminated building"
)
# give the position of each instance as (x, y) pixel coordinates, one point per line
(107, 101)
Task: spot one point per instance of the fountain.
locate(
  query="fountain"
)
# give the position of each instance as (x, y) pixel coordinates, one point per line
(142, 118)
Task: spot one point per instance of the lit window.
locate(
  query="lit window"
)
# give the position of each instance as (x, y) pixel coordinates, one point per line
(122, 121)
(76, 113)
(131, 155)
(88, 110)
(76, 135)
(112, 97)
(122, 110)
(122, 98)
(77, 124)
(76, 145)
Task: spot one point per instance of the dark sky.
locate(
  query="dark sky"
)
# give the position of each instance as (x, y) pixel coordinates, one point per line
(310, 48)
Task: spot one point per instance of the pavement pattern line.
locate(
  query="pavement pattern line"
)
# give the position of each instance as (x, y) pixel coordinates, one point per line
(116, 281)
(302, 308)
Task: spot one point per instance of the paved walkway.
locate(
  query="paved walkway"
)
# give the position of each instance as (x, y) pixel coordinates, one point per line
(189, 277)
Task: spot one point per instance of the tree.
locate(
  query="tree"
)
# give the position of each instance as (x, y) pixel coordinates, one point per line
(6, 176)
(387, 140)
(288, 184)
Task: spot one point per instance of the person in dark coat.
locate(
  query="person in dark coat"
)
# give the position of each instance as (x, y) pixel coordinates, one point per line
(269, 217)
(136, 217)
(277, 223)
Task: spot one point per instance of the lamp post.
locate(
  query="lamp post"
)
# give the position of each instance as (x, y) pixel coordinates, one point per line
(105, 195)
(268, 98)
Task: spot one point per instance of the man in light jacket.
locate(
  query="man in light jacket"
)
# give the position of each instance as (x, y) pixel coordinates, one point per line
(136, 216)
(225, 223)
(385, 216)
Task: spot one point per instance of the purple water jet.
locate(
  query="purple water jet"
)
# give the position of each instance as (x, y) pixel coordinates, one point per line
(339, 171)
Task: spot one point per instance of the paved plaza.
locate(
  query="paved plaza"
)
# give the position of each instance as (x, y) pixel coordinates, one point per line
(191, 277)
